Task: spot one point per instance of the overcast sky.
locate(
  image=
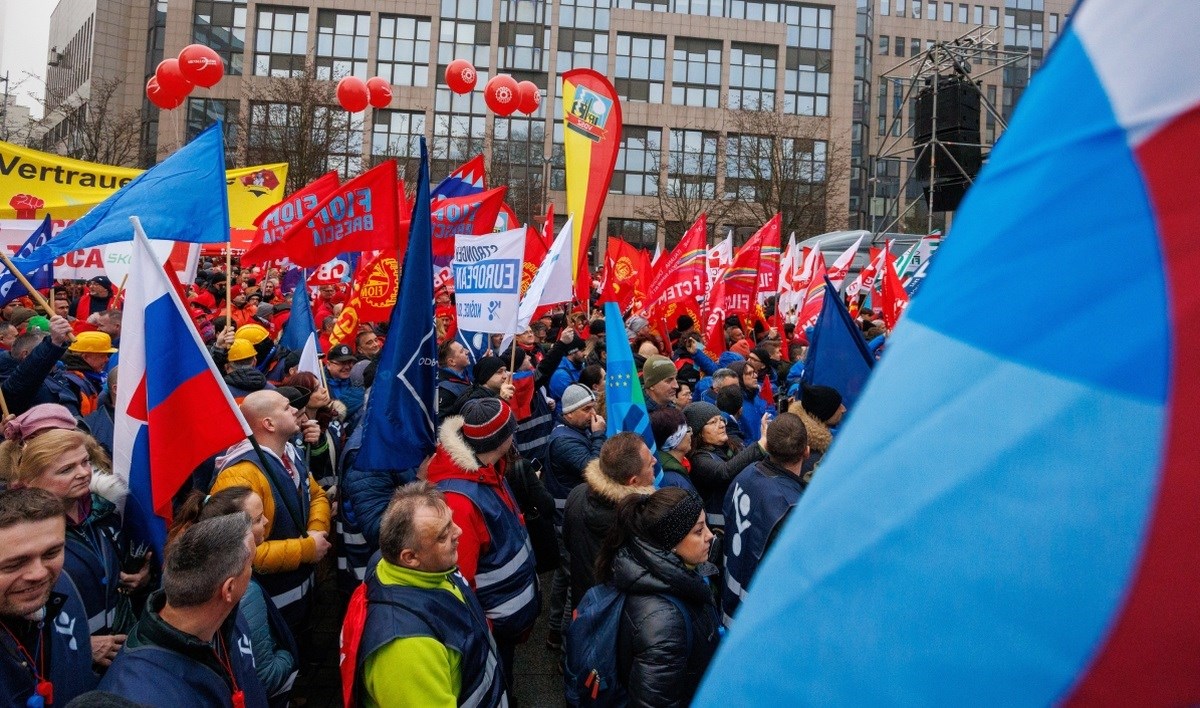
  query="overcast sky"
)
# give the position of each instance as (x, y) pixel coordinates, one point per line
(24, 31)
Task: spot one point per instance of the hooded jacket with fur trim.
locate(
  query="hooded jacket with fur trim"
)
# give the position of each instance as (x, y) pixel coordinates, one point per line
(820, 437)
(590, 512)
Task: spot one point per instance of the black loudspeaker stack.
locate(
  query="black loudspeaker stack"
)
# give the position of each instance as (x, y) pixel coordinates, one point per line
(957, 135)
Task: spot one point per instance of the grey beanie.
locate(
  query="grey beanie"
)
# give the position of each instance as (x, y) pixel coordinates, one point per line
(576, 396)
(699, 413)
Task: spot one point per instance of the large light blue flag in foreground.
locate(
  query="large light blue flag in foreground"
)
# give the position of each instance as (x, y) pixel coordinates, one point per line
(182, 198)
(1011, 516)
(837, 353)
(399, 430)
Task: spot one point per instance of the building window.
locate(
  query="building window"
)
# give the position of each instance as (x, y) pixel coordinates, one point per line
(809, 60)
(652, 5)
(221, 25)
(964, 13)
(931, 11)
(882, 110)
(203, 112)
(748, 166)
(977, 14)
(636, 171)
(989, 112)
(916, 9)
(884, 45)
(753, 77)
(993, 17)
(458, 129)
(1052, 29)
(759, 10)
(465, 32)
(914, 47)
(885, 7)
(583, 35)
(524, 39)
(899, 46)
(641, 65)
(342, 44)
(947, 12)
(636, 232)
(402, 55)
(276, 127)
(280, 41)
(517, 150)
(397, 134)
(696, 76)
(692, 171)
(711, 8)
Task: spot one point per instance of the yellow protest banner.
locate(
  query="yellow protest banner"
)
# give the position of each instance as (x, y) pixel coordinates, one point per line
(33, 184)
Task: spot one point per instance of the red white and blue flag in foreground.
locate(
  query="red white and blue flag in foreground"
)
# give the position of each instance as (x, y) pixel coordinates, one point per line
(173, 410)
(1011, 515)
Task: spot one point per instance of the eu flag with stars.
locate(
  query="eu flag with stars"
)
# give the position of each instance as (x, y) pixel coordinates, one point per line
(399, 431)
(622, 388)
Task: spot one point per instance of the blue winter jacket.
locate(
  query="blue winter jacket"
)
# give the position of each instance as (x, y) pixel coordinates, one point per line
(565, 375)
(753, 408)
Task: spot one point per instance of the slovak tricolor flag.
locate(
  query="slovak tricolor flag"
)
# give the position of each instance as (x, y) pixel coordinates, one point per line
(300, 333)
(172, 410)
(1011, 513)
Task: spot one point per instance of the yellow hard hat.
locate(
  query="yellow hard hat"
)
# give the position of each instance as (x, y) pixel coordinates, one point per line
(253, 333)
(241, 350)
(92, 343)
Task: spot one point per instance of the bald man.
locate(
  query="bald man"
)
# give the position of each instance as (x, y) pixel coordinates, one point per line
(295, 506)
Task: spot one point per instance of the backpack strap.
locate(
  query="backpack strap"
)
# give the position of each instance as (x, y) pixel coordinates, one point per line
(687, 617)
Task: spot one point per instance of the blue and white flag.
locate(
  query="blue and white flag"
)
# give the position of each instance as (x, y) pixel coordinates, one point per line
(40, 277)
(487, 280)
(837, 353)
(182, 198)
(399, 424)
(624, 399)
(300, 334)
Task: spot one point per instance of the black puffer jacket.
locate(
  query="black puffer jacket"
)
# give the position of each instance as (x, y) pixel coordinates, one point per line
(713, 469)
(590, 513)
(653, 652)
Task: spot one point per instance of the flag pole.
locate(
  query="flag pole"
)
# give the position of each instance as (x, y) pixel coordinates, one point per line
(228, 283)
(112, 304)
(3, 405)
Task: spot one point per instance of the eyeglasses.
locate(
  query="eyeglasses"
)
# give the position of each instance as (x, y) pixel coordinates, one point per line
(715, 421)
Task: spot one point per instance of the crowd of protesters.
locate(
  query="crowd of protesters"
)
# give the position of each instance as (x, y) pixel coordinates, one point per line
(440, 568)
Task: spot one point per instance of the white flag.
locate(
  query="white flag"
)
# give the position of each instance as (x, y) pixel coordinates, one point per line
(841, 267)
(487, 280)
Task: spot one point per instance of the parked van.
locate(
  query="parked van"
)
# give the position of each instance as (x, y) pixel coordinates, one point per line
(835, 243)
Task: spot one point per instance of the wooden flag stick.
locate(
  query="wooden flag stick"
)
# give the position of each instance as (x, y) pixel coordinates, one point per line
(112, 303)
(228, 284)
(3, 405)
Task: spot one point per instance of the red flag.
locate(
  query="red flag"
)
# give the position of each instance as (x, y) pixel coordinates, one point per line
(372, 297)
(609, 291)
(535, 253)
(768, 240)
(814, 297)
(682, 272)
(892, 298)
(506, 219)
(472, 214)
(361, 215)
(665, 315)
(627, 271)
(276, 221)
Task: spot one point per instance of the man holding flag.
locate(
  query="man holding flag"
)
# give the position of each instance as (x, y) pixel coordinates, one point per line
(295, 506)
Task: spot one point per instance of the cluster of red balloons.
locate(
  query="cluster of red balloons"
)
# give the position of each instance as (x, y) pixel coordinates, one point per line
(355, 94)
(174, 79)
(502, 94)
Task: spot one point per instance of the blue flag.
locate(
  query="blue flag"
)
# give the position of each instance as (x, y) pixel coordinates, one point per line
(299, 333)
(41, 277)
(837, 352)
(622, 389)
(399, 430)
(182, 198)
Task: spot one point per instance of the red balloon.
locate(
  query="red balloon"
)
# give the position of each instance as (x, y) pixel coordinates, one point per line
(161, 97)
(500, 94)
(380, 92)
(461, 76)
(171, 79)
(201, 65)
(352, 93)
(529, 97)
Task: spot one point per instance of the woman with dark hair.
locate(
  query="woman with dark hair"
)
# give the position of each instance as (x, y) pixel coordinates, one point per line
(657, 555)
(754, 406)
(716, 458)
(276, 659)
(323, 456)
